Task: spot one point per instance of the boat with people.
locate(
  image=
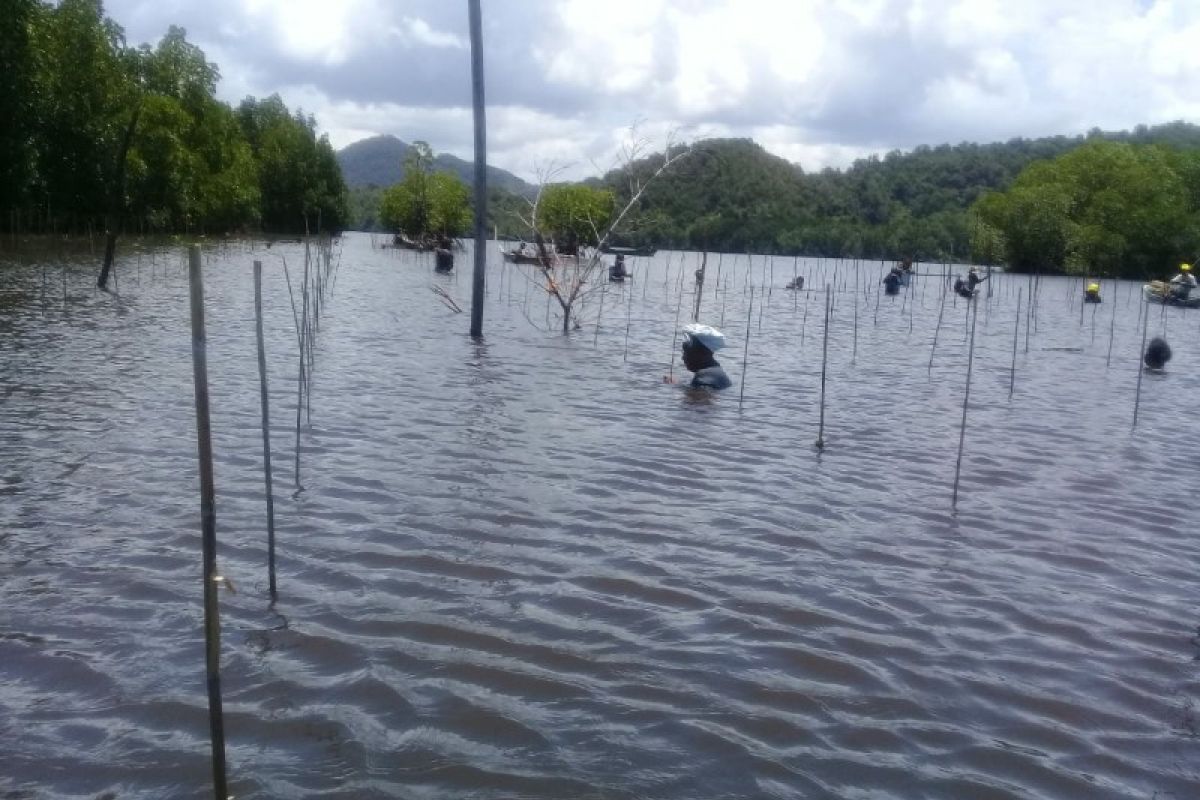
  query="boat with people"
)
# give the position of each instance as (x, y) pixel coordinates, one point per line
(1160, 292)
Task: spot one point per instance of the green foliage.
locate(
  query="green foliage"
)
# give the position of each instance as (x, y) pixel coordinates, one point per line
(1106, 208)
(572, 214)
(424, 202)
(449, 204)
(299, 178)
(732, 195)
(72, 93)
(17, 85)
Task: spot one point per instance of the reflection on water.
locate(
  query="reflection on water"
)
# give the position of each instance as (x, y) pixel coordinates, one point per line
(529, 568)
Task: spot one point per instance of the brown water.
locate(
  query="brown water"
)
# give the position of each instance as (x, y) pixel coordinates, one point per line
(529, 569)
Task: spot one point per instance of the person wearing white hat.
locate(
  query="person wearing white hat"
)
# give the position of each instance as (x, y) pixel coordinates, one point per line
(1183, 283)
(699, 344)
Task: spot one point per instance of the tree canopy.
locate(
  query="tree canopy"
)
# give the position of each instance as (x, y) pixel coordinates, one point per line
(1106, 208)
(426, 203)
(573, 214)
(94, 125)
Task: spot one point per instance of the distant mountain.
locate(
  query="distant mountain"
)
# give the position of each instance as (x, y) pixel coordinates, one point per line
(377, 161)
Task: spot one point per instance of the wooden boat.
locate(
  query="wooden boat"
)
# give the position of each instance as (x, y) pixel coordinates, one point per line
(1160, 292)
(530, 255)
(645, 250)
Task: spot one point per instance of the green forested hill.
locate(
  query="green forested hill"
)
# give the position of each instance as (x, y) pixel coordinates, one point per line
(732, 195)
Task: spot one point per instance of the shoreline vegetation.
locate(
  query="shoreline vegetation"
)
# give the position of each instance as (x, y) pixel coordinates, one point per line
(106, 139)
(102, 137)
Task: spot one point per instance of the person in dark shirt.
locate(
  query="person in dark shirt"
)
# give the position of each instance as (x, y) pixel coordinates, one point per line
(617, 271)
(699, 343)
(1092, 293)
(974, 279)
(443, 256)
(892, 281)
(1157, 354)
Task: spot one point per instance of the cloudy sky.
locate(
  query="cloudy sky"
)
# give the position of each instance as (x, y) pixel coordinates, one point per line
(820, 82)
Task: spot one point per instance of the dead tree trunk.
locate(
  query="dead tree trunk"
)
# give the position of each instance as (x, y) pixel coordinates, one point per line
(116, 208)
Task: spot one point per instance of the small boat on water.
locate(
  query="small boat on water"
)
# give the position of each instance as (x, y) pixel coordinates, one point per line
(529, 254)
(522, 258)
(629, 251)
(1160, 292)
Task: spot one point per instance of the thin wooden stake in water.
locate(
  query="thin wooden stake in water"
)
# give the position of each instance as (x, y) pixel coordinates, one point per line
(1012, 379)
(266, 425)
(628, 322)
(599, 313)
(854, 354)
(675, 338)
(938, 329)
(746, 351)
(1112, 330)
(962, 434)
(208, 527)
(824, 364)
(1137, 397)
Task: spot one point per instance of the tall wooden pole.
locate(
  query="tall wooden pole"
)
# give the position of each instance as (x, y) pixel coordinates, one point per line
(266, 425)
(480, 167)
(208, 527)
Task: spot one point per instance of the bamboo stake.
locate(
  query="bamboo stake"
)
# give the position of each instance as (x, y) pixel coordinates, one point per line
(628, 323)
(1029, 312)
(675, 338)
(804, 319)
(937, 330)
(599, 313)
(746, 351)
(1012, 380)
(208, 527)
(266, 426)
(854, 354)
(724, 296)
(1137, 397)
(878, 294)
(824, 364)
(912, 301)
(1112, 330)
(962, 434)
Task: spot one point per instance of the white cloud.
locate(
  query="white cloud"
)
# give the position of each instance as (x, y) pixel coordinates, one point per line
(819, 81)
(418, 31)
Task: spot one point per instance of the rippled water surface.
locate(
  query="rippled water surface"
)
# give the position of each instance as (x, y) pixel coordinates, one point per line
(528, 568)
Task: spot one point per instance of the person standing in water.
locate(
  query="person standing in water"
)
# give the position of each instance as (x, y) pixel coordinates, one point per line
(699, 344)
(1183, 283)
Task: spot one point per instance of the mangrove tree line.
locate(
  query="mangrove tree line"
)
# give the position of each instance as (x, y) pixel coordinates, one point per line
(96, 134)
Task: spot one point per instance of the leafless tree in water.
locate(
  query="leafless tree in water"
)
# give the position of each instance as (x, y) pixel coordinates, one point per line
(571, 280)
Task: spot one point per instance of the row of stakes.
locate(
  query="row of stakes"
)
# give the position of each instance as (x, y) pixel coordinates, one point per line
(319, 277)
(316, 281)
